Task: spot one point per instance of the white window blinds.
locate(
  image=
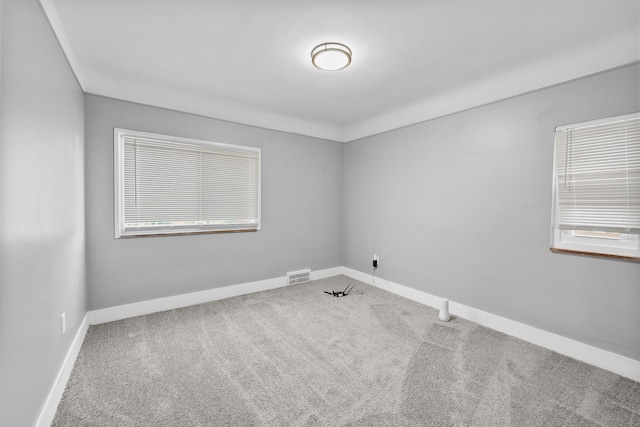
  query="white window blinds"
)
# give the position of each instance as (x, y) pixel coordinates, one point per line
(598, 175)
(176, 185)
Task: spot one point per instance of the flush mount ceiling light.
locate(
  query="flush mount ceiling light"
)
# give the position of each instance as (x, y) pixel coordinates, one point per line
(331, 56)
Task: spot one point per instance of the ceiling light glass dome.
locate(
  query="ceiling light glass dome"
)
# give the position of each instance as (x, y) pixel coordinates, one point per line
(331, 56)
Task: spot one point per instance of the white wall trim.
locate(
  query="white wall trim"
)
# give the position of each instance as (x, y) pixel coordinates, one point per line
(326, 273)
(119, 312)
(56, 24)
(110, 314)
(604, 359)
(50, 406)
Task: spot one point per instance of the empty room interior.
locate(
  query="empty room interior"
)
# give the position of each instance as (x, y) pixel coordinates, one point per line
(360, 213)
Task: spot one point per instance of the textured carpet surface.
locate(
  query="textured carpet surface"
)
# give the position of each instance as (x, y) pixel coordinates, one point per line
(295, 356)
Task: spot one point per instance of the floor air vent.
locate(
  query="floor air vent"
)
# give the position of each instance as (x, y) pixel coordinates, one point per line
(301, 276)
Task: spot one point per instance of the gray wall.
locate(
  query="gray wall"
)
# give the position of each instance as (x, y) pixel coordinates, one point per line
(485, 246)
(301, 211)
(460, 207)
(41, 210)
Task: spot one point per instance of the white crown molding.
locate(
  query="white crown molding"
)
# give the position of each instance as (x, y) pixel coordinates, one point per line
(577, 61)
(604, 359)
(148, 94)
(491, 90)
(497, 88)
(56, 24)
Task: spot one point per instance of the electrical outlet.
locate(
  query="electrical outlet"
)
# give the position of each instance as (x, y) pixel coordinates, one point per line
(63, 323)
(376, 260)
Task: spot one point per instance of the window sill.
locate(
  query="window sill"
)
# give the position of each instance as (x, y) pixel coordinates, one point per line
(595, 254)
(185, 233)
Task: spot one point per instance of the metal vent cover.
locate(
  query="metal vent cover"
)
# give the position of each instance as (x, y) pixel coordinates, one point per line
(300, 276)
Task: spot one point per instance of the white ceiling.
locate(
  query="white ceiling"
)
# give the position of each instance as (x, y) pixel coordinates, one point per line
(248, 61)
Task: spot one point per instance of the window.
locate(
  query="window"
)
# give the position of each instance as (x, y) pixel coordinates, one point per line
(596, 189)
(168, 185)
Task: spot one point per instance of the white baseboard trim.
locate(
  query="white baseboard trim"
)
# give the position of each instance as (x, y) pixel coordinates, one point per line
(125, 311)
(50, 406)
(395, 288)
(110, 314)
(613, 362)
(604, 359)
(326, 273)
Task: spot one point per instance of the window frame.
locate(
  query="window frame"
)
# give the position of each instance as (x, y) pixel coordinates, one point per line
(624, 246)
(120, 229)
